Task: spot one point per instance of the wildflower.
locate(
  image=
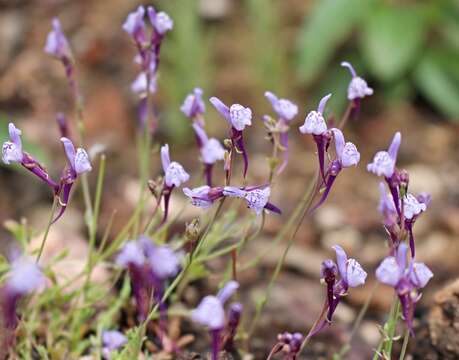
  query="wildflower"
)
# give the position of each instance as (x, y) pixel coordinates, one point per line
(160, 21)
(211, 313)
(257, 197)
(193, 106)
(289, 344)
(57, 44)
(112, 340)
(406, 278)
(140, 84)
(79, 164)
(135, 25)
(238, 117)
(315, 125)
(12, 152)
(347, 155)
(23, 278)
(203, 196)
(286, 110)
(384, 165)
(358, 87)
(211, 151)
(149, 266)
(412, 208)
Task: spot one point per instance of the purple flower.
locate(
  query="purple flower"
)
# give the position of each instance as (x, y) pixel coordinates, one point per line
(203, 196)
(23, 278)
(315, 123)
(139, 85)
(211, 313)
(284, 108)
(289, 344)
(149, 266)
(347, 155)
(234, 317)
(135, 25)
(57, 44)
(193, 105)
(256, 197)
(406, 278)
(112, 340)
(160, 21)
(238, 117)
(174, 173)
(358, 87)
(384, 161)
(12, 150)
(412, 207)
(351, 275)
(79, 159)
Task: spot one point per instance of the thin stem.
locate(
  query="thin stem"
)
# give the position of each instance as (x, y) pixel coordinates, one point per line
(309, 196)
(405, 344)
(48, 226)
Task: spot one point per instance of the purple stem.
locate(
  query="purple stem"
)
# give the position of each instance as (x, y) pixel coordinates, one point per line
(238, 142)
(329, 183)
(215, 334)
(409, 227)
(394, 191)
(208, 173)
(167, 196)
(321, 154)
(64, 199)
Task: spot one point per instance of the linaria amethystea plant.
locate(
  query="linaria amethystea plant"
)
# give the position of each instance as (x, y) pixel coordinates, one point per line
(315, 125)
(23, 278)
(288, 344)
(12, 152)
(286, 111)
(238, 118)
(149, 266)
(407, 278)
(351, 274)
(194, 107)
(358, 87)
(211, 151)
(211, 313)
(347, 155)
(174, 176)
(112, 340)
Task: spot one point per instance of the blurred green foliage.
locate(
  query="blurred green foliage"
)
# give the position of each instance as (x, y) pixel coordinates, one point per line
(407, 48)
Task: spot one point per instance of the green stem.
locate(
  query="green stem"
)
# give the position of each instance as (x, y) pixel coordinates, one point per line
(304, 206)
(405, 344)
(48, 227)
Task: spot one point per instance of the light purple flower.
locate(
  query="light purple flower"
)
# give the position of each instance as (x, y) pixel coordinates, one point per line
(131, 254)
(346, 152)
(315, 123)
(135, 25)
(384, 161)
(79, 160)
(164, 262)
(358, 87)
(57, 44)
(406, 278)
(210, 311)
(24, 277)
(412, 207)
(175, 174)
(211, 149)
(193, 105)
(237, 115)
(199, 196)
(284, 108)
(139, 85)
(112, 340)
(160, 21)
(12, 150)
(256, 199)
(350, 270)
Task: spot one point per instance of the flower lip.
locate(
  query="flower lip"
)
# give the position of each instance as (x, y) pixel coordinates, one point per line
(315, 122)
(412, 207)
(25, 276)
(161, 21)
(240, 116)
(284, 108)
(358, 87)
(382, 164)
(56, 42)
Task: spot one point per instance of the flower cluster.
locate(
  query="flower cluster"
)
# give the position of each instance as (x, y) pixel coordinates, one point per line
(149, 266)
(400, 210)
(286, 112)
(211, 313)
(78, 160)
(148, 49)
(288, 344)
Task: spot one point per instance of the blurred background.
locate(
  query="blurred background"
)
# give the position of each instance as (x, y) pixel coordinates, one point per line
(408, 51)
